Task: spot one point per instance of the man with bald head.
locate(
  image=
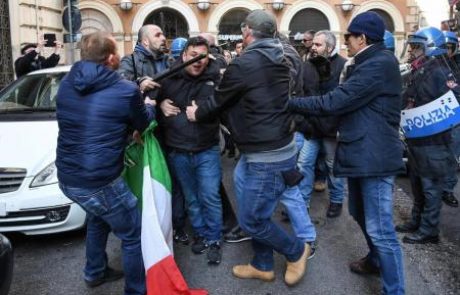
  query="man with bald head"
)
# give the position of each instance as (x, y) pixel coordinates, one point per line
(147, 59)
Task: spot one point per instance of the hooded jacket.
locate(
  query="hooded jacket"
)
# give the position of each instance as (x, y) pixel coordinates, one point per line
(95, 109)
(252, 98)
(368, 103)
(178, 132)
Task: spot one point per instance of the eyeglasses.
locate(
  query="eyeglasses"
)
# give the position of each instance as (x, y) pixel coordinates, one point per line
(305, 40)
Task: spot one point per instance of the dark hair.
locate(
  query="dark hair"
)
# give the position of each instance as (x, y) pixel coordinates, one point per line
(97, 47)
(196, 41)
(27, 46)
(310, 32)
(370, 41)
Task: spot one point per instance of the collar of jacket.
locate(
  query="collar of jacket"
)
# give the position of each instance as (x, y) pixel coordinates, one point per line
(155, 55)
(369, 52)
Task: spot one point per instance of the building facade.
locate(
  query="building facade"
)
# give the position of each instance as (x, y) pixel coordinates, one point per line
(184, 18)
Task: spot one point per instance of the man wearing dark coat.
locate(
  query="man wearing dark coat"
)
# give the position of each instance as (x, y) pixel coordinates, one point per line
(369, 151)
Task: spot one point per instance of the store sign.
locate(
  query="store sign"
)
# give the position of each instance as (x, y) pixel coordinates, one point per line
(230, 37)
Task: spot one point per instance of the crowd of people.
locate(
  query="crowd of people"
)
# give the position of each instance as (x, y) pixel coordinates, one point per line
(289, 118)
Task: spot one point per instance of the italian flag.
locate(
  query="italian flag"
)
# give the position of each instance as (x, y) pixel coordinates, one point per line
(147, 175)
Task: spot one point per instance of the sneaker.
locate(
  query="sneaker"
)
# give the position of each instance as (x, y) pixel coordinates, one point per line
(199, 245)
(214, 253)
(319, 186)
(180, 236)
(110, 275)
(449, 199)
(312, 249)
(236, 235)
(334, 210)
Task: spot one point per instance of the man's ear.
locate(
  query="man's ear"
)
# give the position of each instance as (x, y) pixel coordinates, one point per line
(110, 61)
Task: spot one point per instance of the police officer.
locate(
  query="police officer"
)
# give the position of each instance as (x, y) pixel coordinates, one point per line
(430, 157)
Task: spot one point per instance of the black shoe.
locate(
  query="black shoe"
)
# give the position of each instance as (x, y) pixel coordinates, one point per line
(407, 227)
(364, 267)
(110, 275)
(313, 249)
(236, 235)
(335, 209)
(284, 216)
(180, 236)
(214, 253)
(450, 199)
(199, 245)
(419, 238)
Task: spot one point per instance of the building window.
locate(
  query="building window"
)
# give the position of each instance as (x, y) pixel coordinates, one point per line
(389, 24)
(170, 21)
(230, 27)
(308, 19)
(94, 21)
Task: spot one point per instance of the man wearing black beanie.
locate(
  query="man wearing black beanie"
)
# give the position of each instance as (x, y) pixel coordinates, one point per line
(369, 152)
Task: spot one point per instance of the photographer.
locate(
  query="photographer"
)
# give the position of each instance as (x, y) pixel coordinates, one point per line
(31, 60)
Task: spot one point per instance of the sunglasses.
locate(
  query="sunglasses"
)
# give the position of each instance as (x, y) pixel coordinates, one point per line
(348, 35)
(305, 40)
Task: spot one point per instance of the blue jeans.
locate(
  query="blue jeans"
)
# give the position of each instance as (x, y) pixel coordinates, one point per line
(111, 208)
(296, 208)
(199, 175)
(258, 188)
(306, 164)
(371, 205)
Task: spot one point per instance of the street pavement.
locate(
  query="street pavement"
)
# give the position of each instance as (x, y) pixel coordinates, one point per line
(53, 264)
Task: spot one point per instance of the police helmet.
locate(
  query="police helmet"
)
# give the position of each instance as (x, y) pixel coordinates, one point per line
(389, 41)
(431, 39)
(177, 46)
(450, 38)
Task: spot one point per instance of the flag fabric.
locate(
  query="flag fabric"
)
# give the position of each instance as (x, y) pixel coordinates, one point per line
(147, 175)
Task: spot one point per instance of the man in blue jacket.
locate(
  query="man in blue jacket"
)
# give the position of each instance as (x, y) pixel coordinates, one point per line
(369, 151)
(96, 108)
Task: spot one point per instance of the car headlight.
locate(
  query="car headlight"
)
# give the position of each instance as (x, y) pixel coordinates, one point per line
(45, 177)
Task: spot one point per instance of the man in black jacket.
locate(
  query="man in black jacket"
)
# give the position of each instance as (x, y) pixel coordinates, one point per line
(322, 74)
(193, 147)
(252, 102)
(148, 58)
(31, 60)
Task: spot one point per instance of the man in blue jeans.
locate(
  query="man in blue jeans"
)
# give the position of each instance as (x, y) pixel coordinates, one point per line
(369, 151)
(252, 101)
(96, 108)
(193, 150)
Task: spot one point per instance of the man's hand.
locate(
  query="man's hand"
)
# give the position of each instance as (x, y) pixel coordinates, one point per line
(150, 101)
(191, 110)
(148, 84)
(57, 47)
(137, 137)
(40, 44)
(168, 108)
(451, 84)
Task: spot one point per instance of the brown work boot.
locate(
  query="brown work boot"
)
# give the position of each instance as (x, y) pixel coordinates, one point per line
(295, 270)
(364, 267)
(250, 272)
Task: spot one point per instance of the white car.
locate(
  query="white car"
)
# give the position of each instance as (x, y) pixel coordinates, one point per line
(30, 199)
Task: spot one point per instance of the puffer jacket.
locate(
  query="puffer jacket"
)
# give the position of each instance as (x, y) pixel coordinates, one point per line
(252, 98)
(368, 103)
(177, 131)
(95, 109)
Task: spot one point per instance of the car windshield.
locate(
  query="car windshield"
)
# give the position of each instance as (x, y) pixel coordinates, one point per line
(31, 93)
